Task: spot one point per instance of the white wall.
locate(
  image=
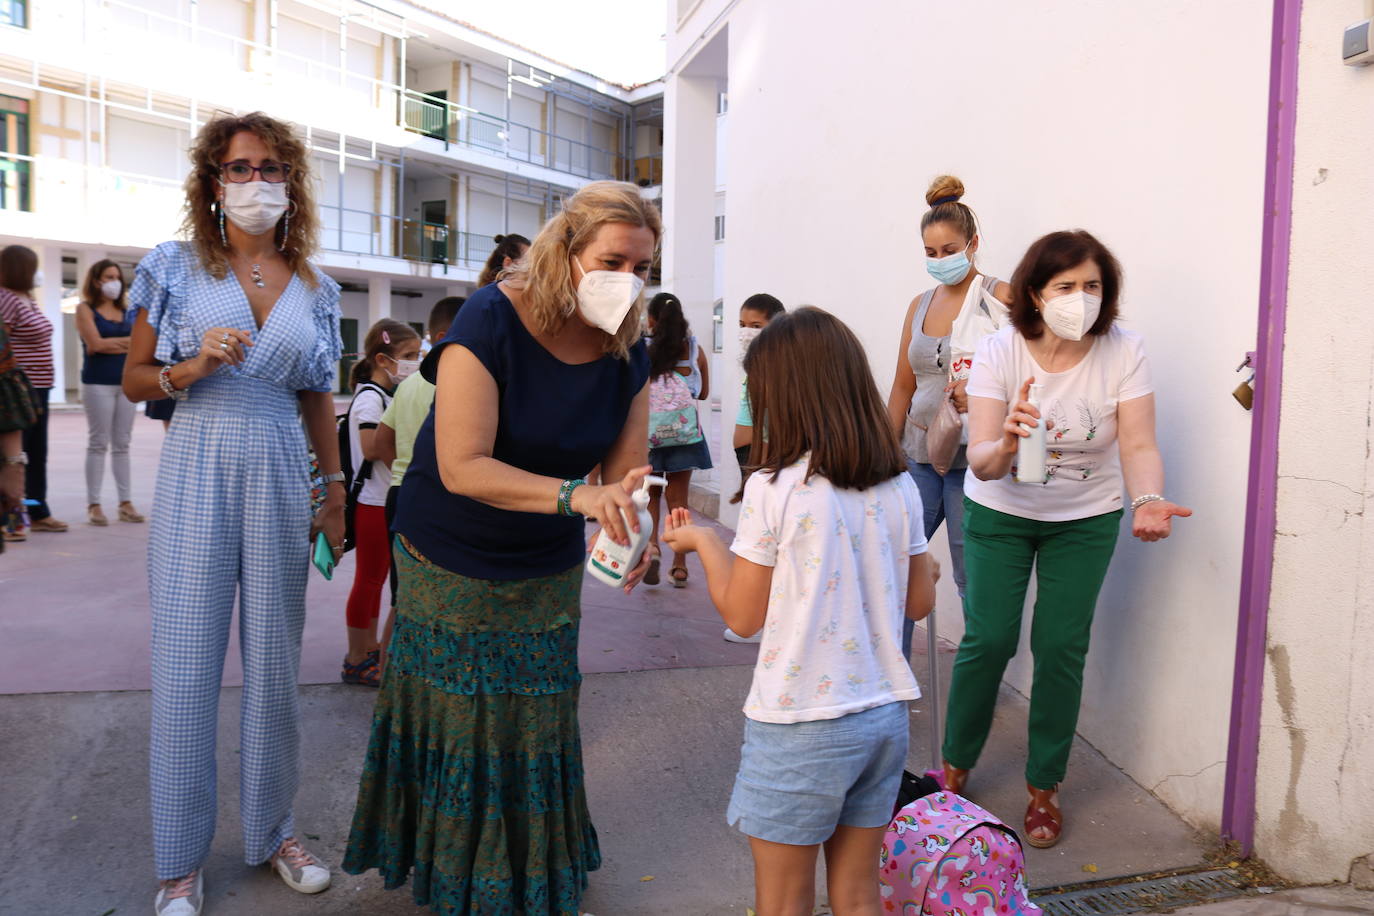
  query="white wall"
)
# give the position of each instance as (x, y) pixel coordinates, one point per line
(1316, 768)
(1141, 129)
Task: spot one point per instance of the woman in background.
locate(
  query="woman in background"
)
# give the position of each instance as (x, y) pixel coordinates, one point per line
(507, 253)
(31, 338)
(949, 231)
(104, 323)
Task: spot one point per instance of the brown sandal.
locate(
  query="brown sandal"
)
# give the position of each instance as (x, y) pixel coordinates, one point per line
(955, 779)
(1043, 814)
(651, 576)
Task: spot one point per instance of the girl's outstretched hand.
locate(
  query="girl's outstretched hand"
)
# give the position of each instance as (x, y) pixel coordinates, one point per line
(679, 532)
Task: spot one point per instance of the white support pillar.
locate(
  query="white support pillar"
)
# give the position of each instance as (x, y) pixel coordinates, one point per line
(378, 301)
(689, 200)
(49, 298)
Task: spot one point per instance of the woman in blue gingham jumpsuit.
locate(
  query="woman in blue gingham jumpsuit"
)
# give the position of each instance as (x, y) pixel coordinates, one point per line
(231, 512)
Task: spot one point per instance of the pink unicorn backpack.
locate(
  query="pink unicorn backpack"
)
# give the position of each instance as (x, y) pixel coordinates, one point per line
(945, 856)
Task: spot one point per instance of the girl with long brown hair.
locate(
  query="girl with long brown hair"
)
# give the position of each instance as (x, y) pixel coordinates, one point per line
(830, 556)
(237, 325)
(678, 372)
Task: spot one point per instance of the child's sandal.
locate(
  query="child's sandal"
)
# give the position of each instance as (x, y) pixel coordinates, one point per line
(651, 575)
(1043, 814)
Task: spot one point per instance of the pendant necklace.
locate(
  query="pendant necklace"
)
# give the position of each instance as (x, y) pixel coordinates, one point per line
(256, 273)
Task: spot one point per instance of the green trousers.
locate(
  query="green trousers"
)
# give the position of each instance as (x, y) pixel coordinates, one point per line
(1070, 561)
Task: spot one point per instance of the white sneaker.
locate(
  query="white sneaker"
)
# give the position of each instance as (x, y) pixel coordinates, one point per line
(181, 896)
(732, 636)
(298, 868)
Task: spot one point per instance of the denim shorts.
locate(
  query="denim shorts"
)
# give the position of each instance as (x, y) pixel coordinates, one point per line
(798, 781)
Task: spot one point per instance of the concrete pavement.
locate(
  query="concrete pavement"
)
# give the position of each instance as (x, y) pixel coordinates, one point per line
(661, 731)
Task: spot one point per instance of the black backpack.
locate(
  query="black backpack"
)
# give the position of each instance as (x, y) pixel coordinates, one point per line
(354, 478)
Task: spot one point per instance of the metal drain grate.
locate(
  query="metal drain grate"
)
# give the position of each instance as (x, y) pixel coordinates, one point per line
(1142, 896)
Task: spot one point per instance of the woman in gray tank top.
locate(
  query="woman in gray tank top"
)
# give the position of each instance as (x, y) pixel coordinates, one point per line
(949, 231)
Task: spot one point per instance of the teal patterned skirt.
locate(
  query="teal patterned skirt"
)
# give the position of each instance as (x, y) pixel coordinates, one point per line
(473, 785)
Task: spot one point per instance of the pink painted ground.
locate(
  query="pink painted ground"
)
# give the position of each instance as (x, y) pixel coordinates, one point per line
(74, 606)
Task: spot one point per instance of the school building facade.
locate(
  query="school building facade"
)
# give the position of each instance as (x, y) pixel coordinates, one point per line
(428, 136)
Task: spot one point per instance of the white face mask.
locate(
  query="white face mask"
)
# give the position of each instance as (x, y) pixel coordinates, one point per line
(255, 206)
(1071, 315)
(111, 289)
(38, 279)
(405, 368)
(605, 297)
(746, 337)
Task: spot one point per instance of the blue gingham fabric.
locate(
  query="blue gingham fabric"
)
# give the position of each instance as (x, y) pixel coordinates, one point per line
(231, 513)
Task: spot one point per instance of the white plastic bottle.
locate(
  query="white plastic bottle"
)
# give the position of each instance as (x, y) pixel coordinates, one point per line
(1030, 451)
(610, 562)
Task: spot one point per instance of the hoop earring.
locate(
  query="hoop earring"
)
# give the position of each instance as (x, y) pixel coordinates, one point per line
(219, 208)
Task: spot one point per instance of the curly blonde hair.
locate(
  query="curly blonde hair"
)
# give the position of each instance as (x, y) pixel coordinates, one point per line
(201, 224)
(545, 275)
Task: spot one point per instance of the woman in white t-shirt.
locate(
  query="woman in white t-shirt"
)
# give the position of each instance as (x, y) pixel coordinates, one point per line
(830, 554)
(391, 352)
(1100, 433)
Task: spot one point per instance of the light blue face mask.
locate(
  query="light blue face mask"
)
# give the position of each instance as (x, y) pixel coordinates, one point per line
(951, 269)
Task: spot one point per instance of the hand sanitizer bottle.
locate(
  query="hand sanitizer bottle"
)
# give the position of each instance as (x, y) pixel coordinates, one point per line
(610, 562)
(1030, 451)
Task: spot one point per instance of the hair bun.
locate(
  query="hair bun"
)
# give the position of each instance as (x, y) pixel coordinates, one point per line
(945, 189)
(498, 239)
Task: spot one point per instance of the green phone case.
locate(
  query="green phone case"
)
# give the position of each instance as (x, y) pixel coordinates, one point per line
(324, 556)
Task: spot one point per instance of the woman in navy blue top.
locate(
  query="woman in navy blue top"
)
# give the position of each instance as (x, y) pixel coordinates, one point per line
(473, 777)
(104, 322)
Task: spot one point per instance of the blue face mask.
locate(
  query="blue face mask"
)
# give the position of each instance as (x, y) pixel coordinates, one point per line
(951, 269)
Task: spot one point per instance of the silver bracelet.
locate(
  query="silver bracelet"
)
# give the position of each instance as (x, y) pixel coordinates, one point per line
(336, 477)
(1146, 498)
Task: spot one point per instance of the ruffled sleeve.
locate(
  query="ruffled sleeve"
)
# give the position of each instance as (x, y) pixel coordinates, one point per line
(321, 369)
(159, 288)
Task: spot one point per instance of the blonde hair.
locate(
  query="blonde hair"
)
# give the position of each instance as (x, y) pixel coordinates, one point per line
(202, 222)
(947, 190)
(544, 274)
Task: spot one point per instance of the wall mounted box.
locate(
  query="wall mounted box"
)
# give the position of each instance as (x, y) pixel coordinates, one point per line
(1356, 44)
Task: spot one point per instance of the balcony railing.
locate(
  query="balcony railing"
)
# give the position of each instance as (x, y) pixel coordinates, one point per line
(353, 231)
(339, 90)
(460, 125)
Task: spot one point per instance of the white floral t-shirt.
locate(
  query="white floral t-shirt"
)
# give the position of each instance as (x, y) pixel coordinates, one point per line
(1083, 462)
(832, 638)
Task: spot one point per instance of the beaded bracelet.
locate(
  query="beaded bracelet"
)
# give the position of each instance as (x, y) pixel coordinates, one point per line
(164, 381)
(1146, 498)
(565, 493)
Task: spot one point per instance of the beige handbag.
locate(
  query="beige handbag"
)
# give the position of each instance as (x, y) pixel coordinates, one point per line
(944, 434)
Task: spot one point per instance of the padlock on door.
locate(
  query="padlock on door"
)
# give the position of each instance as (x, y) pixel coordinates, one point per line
(1245, 393)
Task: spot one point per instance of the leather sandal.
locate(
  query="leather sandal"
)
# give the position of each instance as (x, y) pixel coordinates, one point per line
(127, 513)
(651, 576)
(678, 581)
(955, 779)
(1043, 814)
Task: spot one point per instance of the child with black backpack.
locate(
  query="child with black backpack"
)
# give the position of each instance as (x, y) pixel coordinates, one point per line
(830, 554)
(391, 351)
